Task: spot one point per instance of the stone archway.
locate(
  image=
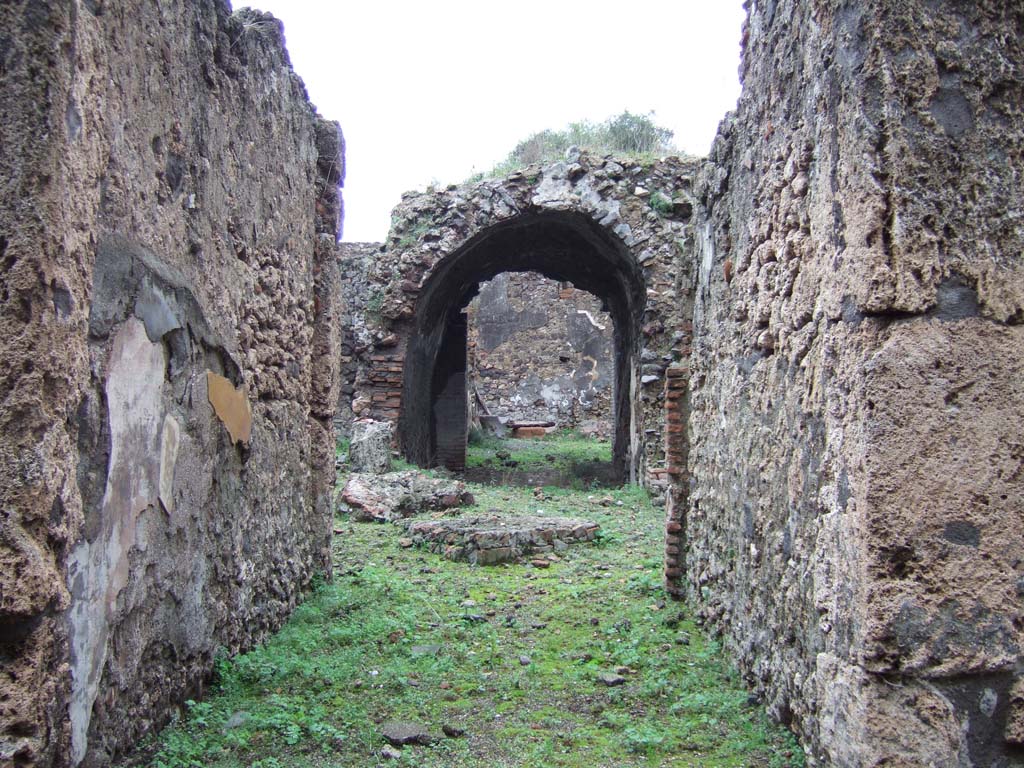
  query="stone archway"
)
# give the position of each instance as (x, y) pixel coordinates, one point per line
(565, 246)
(618, 229)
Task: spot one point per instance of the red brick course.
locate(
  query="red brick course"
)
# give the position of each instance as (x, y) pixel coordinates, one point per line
(676, 452)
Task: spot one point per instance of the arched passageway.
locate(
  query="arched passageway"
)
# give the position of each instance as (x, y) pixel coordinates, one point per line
(619, 231)
(563, 246)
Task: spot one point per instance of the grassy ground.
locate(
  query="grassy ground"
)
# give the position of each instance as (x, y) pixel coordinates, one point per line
(560, 450)
(510, 654)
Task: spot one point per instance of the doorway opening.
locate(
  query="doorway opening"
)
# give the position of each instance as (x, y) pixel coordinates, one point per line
(565, 247)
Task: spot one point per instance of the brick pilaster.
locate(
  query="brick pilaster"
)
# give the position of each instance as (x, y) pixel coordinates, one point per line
(677, 381)
(385, 375)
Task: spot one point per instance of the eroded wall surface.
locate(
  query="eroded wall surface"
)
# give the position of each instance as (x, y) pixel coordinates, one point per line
(169, 313)
(354, 262)
(646, 207)
(856, 495)
(541, 351)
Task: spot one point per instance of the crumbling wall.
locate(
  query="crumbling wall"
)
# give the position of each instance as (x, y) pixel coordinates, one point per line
(542, 351)
(854, 522)
(169, 305)
(645, 208)
(359, 307)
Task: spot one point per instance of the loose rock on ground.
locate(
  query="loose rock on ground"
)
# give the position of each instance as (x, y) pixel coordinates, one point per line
(395, 495)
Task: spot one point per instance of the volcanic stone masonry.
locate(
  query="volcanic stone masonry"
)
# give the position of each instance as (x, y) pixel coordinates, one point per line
(855, 520)
(540, 351)
(169, 312)
(818, 336)
(613, 228)
(354, 260)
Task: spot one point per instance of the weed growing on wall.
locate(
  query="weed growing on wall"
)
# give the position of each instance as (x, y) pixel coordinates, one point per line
(408, 234)
(625, 134)
(375, 303)
(660, 204)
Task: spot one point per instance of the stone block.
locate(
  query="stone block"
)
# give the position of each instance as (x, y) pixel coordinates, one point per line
(370, 449)
(395, 495)
(529, 432)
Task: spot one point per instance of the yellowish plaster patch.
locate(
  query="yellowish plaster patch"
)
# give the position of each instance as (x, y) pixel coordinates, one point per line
(231, 406)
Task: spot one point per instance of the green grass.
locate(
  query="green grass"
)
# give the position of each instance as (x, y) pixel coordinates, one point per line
(660, 204)
(349, 659)
(558, 450)
(626, 135)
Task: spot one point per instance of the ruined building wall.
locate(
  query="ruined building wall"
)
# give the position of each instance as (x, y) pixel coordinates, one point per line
(168, 301)
(854, 522)
(645, 207)
(358, 309)
(542, 351)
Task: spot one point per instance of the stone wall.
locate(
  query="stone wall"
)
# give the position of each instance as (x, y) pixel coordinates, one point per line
(541, 351)
(854, 524)
(613, 227)
(168, 306)
(843, 410)
(358, 307)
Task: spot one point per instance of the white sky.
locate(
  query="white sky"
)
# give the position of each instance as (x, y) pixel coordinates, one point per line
(434, 91)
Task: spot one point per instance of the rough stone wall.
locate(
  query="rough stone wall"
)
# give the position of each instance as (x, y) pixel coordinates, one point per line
(168, 302)
(354, 260)
(854, 525)
(542, 351)
(647, 207)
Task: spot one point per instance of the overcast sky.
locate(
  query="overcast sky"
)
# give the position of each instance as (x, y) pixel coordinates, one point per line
(436, 90)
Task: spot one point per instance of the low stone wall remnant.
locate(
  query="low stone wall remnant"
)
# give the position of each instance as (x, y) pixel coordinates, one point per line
(495, 539)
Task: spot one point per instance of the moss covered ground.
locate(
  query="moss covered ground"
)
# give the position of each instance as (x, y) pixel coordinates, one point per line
(512, 655)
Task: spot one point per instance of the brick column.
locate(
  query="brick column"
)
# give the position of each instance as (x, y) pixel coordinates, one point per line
(677, 447)
(385, 374)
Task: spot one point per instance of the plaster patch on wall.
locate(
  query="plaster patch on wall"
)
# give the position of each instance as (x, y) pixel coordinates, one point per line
(231, 406)
(169, 443)
(708, 250)
(99, 569)
(553, 394)
(590, 317)
(154, 309)
(586, 376)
